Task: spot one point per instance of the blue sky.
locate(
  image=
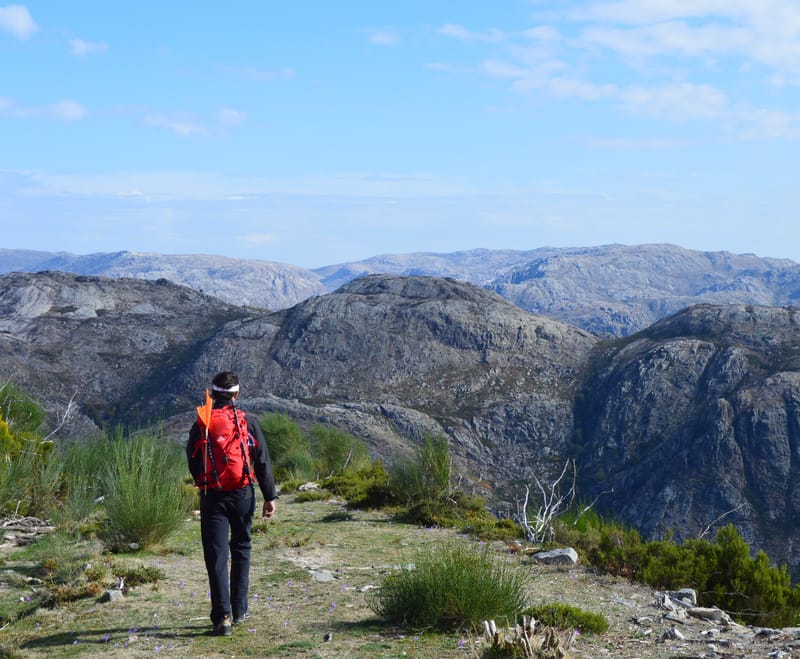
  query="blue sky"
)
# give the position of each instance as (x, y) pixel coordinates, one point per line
(318, 132)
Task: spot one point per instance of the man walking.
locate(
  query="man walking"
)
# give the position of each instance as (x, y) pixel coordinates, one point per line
(227, 455)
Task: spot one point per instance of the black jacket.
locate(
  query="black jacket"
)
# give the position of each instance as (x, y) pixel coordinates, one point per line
(259, 455)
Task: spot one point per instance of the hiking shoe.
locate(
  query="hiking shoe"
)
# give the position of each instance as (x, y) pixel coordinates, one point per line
(223, 627)
(239, 619)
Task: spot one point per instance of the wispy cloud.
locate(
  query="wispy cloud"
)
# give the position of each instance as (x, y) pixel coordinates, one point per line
(199, 186)
(17, 20)
(81, 48)
(384, 37)
(765, 31)
(463, 34)
(770, 124)
(675, 102)
(259, 74)
(229, 118)
(669, 60)
(257, 238)
(66, 110)
(178, 125)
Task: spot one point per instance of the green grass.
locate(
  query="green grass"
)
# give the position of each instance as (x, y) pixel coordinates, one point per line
(145, 499)
(451, 588)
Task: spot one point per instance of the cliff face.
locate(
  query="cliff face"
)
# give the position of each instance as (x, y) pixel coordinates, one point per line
(694, 419)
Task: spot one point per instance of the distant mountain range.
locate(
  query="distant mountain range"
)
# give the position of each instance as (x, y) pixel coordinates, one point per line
(612, 290)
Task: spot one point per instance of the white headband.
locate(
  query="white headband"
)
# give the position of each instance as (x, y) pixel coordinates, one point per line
(230, 390)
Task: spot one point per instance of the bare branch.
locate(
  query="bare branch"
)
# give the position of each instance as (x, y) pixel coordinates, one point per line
(539, 526)
(707, 529)
(68, 413)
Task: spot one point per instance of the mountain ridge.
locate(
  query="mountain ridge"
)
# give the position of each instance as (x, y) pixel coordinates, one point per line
(610, 290)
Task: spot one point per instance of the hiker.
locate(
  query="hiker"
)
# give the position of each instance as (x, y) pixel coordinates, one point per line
(227, 454)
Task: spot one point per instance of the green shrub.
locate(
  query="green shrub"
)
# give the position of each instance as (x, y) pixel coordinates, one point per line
(137, 575)
(425, 477)
(749, 588)
(722, 572)
(313, 495)
(451, 588)
(405, 480)
(337, 453)
(23, 414)
(29, 476)
(289, 449)
(488, 527)
(144, 501)
(366, 488)
(30, 480)
(85, 465)
(565, 616)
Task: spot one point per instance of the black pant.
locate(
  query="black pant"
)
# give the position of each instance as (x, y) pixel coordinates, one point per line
(221, 513)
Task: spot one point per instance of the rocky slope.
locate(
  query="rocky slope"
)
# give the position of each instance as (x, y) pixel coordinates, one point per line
(694, 419)
(612, 290)
(697, 417)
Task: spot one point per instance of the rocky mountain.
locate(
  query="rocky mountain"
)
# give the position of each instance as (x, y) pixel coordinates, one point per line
(612, 290)
(237, 281)
(692, 421)
(695, 418)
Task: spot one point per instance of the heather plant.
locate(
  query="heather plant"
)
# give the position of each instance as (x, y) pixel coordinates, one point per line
(451, 588)
(565, 616)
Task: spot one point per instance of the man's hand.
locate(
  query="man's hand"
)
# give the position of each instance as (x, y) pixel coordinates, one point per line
(268, 510)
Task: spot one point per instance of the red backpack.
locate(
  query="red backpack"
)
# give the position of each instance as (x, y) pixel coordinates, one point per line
(226, 445)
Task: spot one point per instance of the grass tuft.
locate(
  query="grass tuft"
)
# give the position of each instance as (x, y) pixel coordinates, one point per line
(453, 588)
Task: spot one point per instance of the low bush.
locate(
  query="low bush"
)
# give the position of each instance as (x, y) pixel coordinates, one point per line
(336, 453)
(365, 488)
(289, 449)
(721, 571)
(137, 574)
(490, 528)
(565, 616)
(451, 588)
(313, 495)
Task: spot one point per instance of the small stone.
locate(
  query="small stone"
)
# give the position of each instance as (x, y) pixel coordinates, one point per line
(566, 556)
(112, 596)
